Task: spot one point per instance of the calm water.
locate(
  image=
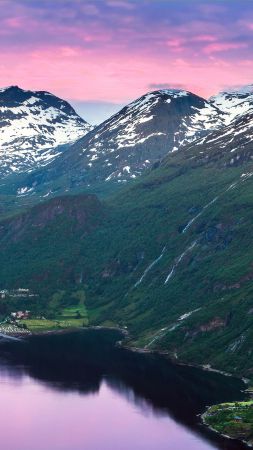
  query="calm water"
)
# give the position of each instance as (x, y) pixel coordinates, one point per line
(80, 392)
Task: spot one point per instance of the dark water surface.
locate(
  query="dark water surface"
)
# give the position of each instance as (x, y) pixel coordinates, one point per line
(78, 391)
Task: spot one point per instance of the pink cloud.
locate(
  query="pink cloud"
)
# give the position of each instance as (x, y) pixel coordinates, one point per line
(223, 47)
(176, 45)
(204, 38)
(175, 42)
(69, 52)
(14, 22)
(248, 25)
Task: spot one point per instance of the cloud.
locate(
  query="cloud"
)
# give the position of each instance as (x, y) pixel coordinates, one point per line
(69, 52)
(14, 22)
(224, 47)
(90, 9)
(120, 4)
(158, 86)
(204, 38)
(176, 44)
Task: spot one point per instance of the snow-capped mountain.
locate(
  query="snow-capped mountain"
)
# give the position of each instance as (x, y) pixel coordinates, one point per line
(145, 131)
(135, 138)
(142, 133)
(231, 146)
(234, 102)
(33, 127)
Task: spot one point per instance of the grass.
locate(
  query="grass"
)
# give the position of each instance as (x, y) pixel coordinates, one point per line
(40, 325)
(232, 419)
(70, 317)
(74, 313)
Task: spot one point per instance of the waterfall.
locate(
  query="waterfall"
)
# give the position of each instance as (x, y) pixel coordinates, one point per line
(163, 331)
(179, 259)
(199, 214)
(244, 177)
(150, 267)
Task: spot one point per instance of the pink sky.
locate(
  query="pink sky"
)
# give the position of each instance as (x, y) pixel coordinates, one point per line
(119, 79)
(116, 50)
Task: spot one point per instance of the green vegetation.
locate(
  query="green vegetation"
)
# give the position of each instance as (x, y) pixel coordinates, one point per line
(72, 317)
(104, 248)
(232, 419)
(64, 310)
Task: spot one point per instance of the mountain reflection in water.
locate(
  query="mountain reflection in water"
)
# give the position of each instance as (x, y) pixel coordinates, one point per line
(88, 363)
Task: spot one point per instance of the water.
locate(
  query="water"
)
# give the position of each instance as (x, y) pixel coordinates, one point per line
(78, 391)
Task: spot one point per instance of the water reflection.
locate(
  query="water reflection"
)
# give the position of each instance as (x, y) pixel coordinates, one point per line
(89, 363)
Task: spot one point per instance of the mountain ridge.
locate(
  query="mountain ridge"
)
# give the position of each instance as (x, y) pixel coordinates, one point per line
(34, 128)
(234, 102)
(131, 141)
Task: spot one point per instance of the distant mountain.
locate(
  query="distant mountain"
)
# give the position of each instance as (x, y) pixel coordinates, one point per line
(230, 146)
(131, 141)
(234, 102)
(34, 128)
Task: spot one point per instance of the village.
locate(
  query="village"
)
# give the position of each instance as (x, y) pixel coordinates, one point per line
(20, 314)
(13, 322)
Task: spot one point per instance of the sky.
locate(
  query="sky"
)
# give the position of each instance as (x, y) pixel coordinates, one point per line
(101, 54)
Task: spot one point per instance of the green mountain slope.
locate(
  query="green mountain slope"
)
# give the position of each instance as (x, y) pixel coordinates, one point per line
(170, 257)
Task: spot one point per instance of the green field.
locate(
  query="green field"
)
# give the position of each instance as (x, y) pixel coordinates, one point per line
(70, 317)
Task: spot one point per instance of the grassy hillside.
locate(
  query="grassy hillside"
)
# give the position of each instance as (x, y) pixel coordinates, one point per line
(170, 257)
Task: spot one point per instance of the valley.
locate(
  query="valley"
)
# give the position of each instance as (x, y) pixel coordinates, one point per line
(106, 247)
(126, 213)
(163, 251)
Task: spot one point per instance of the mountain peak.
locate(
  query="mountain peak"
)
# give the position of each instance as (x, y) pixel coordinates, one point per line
(173, 92)
(239, 90)
(160, 94)
(234, 102)
(135, 138)
(13, 87)
(34, 124)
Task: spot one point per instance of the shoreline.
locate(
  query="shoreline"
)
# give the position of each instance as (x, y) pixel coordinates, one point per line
(207, 368)
(203, 420)
(125, 332)
(26, 334)
(204, 367)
